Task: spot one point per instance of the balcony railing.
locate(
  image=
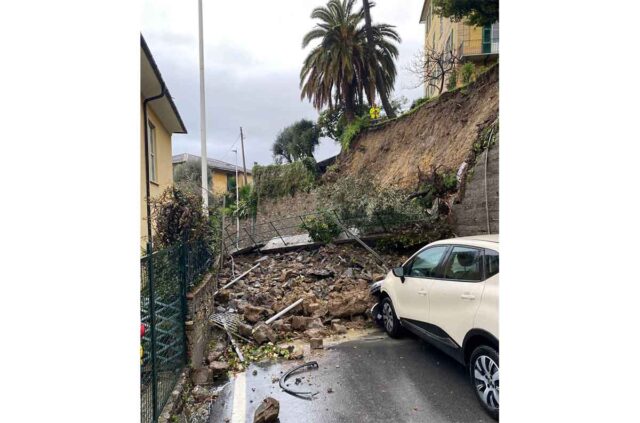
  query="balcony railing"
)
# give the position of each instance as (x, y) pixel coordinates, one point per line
(478, 47)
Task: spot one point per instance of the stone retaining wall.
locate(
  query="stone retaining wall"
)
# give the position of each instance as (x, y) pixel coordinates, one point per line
(470, 214)
(199, 308)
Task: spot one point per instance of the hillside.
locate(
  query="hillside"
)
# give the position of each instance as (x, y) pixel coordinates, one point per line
(440, 133)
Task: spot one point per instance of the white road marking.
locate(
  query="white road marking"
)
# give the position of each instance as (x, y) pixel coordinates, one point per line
(239, 408)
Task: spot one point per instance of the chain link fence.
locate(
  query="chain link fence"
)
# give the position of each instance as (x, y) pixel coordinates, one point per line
(166, 277)
(252, 235)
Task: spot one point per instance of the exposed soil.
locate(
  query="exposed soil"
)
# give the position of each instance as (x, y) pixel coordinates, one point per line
(440, 133)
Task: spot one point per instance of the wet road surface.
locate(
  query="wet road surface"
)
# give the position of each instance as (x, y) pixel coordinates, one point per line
(374, 379)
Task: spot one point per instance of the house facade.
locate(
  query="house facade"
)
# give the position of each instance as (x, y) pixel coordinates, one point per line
(223, 174)
(479, 45)
(162, 120)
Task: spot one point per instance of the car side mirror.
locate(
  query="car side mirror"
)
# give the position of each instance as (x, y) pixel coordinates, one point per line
(399, 273)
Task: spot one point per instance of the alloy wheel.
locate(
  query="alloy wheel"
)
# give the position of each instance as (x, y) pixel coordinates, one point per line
(486, 376)
(387, 317)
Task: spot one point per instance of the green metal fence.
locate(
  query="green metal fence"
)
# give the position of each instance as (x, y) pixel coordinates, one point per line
(166, 276)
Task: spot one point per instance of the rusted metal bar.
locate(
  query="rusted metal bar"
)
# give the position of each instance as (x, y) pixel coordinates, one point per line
(250, 237)
(281, 238)
(361, 242)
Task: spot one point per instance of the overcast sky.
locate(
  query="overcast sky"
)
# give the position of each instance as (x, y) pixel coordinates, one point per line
(253, 56)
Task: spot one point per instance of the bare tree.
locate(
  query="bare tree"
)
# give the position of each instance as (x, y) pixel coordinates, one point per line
(431, 67)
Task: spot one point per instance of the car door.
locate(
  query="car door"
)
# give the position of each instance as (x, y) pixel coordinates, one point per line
(454, 299)
(412, 301)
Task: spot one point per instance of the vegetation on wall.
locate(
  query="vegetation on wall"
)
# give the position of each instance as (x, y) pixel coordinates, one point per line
(279, 180)
(467, 72)
(352, 130)
(322, 227)
(452, 83)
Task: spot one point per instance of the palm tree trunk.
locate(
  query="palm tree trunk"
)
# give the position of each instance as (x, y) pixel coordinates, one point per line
(349, 109)
(370, 48)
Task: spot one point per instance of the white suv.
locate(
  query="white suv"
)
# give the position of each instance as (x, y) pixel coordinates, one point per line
(447, 294)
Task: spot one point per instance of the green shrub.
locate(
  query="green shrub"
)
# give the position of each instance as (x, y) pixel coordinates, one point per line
(419, 234)
(435, 184)
(466, 72)
(352, 130)
(322, 227)
(246, 206)
(178, 217)
(452, 83)
(279, 180)
(418, 101)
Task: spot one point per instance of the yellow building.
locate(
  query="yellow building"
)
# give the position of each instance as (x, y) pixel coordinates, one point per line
(162, 120)
(469, 43)
(223, 174)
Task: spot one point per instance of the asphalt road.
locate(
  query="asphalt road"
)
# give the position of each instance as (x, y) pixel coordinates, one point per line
(375, 379)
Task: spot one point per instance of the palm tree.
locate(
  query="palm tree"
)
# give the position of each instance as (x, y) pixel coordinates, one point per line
(339, 69)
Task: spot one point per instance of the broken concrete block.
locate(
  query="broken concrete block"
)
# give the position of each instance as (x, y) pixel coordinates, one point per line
(219, 367)
(316, 343)
(268, 411)
(314, 324)
(244, 329)
(254, 314)
(263, 333)
(201, 376)
(299, 323)
(337, 327)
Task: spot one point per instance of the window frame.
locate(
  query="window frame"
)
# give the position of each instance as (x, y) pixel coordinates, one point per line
(153, 152)
(438, 267)
(448, 257)
(484, 260)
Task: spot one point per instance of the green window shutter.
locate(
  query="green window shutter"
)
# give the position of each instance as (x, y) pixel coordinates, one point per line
(486, 39)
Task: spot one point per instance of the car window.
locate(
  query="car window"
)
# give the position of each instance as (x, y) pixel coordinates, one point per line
(465, 264)
(491, 262)
(425, 264)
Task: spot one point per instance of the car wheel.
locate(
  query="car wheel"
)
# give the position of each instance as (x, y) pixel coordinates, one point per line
(485, 378)
(389, 320)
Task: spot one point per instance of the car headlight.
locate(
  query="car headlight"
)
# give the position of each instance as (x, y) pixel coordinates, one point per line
(375, 287)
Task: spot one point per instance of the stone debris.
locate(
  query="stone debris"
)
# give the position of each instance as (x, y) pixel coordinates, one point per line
(219, 367)
(201, 376)
(333, 282)
(316, 343)
(267, 411)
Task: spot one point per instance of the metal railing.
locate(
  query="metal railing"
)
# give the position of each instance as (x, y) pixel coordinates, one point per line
(478, 47)
(166, 276)
(366, 224)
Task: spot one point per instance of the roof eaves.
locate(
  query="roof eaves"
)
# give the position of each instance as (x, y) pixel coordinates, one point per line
(156, 70)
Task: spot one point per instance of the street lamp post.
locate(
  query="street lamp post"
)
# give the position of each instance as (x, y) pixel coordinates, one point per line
(203, 122)
(237, 202)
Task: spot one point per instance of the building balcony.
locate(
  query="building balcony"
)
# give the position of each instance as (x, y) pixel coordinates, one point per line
(478, 48)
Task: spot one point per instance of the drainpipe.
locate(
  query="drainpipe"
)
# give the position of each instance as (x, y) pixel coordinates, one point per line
(146, 162)
(152, 302)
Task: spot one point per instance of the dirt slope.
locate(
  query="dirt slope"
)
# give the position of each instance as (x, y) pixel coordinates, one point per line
(440, 133)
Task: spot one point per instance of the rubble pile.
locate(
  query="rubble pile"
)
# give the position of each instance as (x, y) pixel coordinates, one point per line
(333, 282)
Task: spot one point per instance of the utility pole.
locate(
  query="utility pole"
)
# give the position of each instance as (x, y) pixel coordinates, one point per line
(237, 201)
(244, 166)
(203, 121)
(371, 53)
